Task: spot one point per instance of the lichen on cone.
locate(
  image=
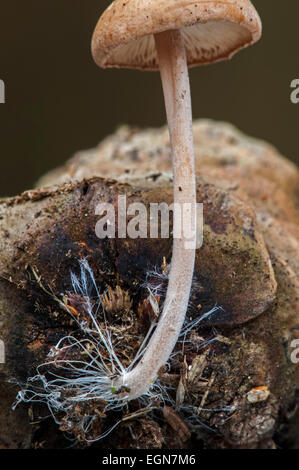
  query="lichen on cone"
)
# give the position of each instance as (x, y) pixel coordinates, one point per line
(248, 265)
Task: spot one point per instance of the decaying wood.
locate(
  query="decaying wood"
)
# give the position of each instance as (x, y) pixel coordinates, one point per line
(249, 265)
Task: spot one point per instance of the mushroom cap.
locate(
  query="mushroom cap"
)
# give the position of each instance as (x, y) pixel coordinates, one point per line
(213, 30)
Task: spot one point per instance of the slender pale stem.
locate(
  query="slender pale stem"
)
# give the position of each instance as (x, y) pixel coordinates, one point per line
(176, 87)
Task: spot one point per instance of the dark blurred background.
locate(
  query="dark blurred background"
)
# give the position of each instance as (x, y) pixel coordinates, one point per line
(58, 101)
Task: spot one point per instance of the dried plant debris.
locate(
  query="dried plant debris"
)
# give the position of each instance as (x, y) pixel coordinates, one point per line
(231, 381)
(77, 380)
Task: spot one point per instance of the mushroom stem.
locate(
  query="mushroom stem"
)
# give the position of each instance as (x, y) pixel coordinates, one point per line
(175, 80)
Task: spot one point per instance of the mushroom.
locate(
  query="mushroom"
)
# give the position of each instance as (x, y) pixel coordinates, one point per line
(170, 35)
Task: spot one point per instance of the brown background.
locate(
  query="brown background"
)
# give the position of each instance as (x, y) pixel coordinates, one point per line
(58, 102)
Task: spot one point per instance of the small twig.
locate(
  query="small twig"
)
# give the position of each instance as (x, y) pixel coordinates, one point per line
(39, 281)
(138, 413)
(205, 396)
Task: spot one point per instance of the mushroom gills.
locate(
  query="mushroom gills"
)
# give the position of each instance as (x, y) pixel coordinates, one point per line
(215, 39)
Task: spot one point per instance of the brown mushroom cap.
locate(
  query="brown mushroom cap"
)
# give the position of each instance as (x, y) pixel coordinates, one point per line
(213, 30)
